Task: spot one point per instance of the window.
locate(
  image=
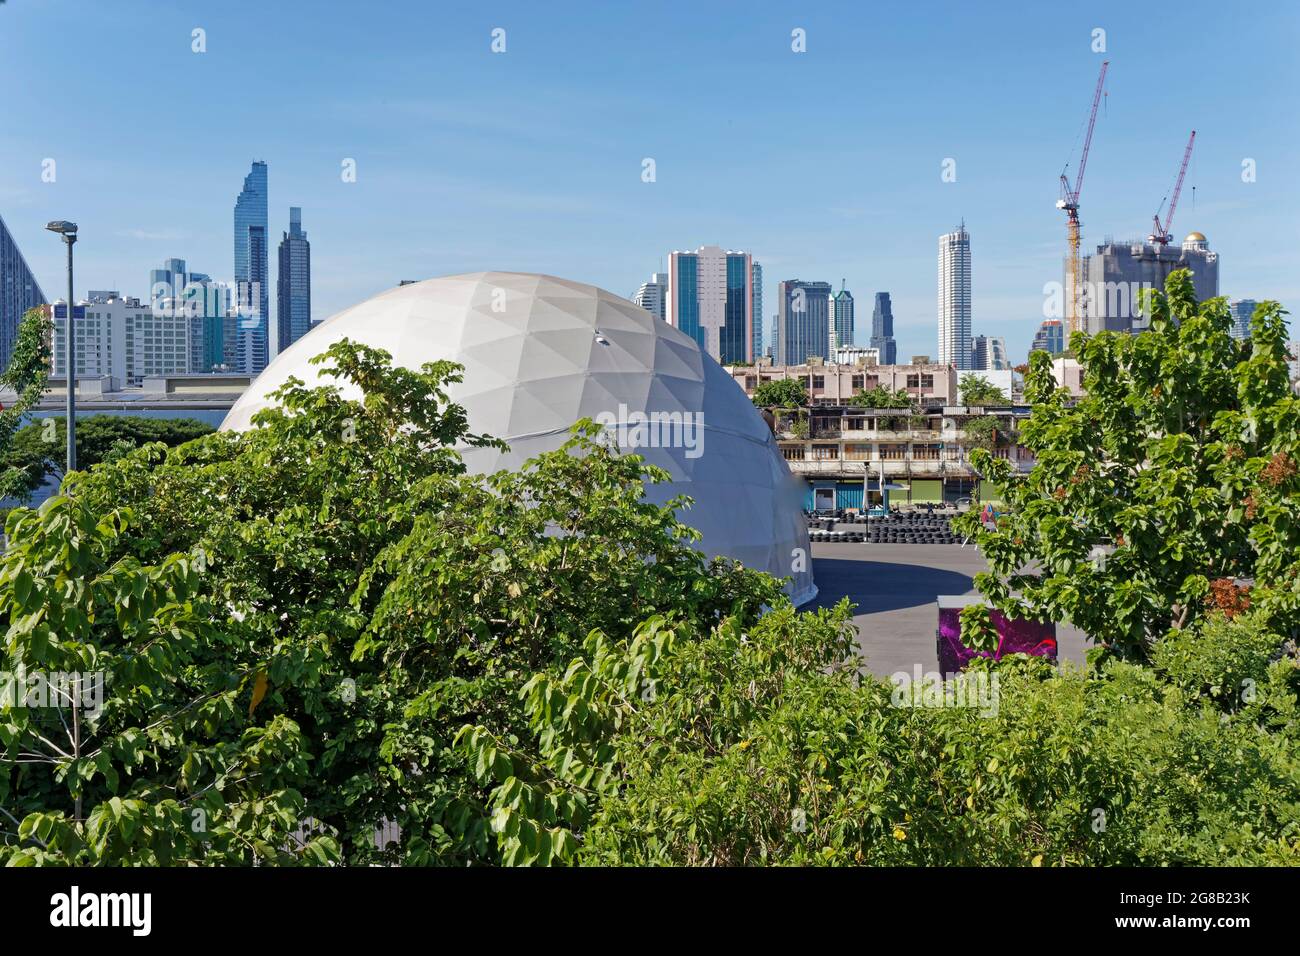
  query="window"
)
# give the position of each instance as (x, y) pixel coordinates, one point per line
(819, 381)
(857, 452)
(893, 452)
(792, 452)
(825, 452)
(859, 382)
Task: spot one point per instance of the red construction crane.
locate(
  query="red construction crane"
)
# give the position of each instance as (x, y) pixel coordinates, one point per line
(1160, 234)
(1069, 201)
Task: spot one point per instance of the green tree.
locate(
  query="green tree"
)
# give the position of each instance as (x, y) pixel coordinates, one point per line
(978, 390)
(37, 449)
(324, 623)
(881, 396)
(781, 393)
(1165, 491)
(26, 376)
(764, 744)
(296, 621)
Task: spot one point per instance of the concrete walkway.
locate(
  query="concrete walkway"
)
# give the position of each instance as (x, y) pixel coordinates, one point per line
(894, 587)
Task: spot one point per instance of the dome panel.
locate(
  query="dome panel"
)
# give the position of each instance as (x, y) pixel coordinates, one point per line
(539, 354)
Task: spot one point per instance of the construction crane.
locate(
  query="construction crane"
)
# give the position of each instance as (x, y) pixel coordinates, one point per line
(1160, 234)
(1069, 201)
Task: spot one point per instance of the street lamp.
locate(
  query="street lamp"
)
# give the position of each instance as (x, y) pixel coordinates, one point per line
(68, 230)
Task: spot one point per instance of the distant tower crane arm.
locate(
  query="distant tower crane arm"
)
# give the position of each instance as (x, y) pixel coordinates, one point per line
(1092, 122)
(1162, 233)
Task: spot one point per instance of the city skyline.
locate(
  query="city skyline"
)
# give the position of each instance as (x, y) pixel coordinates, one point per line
(504, 190)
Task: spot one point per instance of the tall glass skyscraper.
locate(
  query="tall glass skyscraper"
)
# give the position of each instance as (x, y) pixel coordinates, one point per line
(18, 292)
(710, 298)
(1242, 310)
(841, 320)
(1050, 337)
(293, 284)
(653, 295)
(954, 298)
(802, 321)
(882, 330)
(175, 291)
(251, 270)
(757, 296)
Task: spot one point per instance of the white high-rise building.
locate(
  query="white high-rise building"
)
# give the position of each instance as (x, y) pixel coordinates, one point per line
(653, 295)
(954, 298)
(989, 353)
(125, 339)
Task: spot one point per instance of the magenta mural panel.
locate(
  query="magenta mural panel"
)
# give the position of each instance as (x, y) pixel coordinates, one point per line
(1015, 636)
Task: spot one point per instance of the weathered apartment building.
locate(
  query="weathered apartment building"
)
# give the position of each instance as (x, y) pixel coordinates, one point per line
(845, 453)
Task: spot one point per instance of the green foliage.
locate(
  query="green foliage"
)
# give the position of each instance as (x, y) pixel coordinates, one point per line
(297, 621)
(881, 396)
(765, 745)
(1170, 481)
(38, 449)
(781, 393)
(977, 630)
(978, 390)
(323, 624)
(981, 432)
(799, 425)
(26, 376)
(1225, 660)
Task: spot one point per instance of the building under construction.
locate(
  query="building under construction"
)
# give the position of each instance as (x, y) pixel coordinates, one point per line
(1114, 274)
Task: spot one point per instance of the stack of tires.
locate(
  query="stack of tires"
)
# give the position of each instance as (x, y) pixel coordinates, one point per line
(916, 528)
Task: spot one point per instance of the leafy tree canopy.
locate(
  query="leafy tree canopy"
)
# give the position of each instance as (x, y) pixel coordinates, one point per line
(1169, 489)
(978, 390)
(295, 622)
(324, 624)
(26, 376)
(881, 396)
(781, 393)
(38, 448)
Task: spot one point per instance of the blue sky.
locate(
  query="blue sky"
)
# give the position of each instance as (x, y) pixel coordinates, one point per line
(826, 164)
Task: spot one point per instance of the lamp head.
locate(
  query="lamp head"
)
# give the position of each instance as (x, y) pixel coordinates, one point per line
(62, 227)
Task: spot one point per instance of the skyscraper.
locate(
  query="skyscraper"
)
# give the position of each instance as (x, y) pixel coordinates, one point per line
(293, 284)
(840, 320)
(954, 298)
(882, 330)
(18, 292)
(1050, 337)
(757, 295)
(1242, 310)
(653, 295)
(710, 298)
(251, 270)
(168, 283)
(989, 353)
(802, 321)
(175, 291)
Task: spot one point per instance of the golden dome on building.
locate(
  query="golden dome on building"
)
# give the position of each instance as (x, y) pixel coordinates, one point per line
(1195, 237)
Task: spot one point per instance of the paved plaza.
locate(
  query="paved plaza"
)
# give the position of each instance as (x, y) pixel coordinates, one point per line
(894, 587)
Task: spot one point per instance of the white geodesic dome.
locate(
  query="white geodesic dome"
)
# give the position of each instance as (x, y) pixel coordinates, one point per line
(540, 353)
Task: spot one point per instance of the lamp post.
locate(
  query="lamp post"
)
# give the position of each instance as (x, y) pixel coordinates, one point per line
(68, 230)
